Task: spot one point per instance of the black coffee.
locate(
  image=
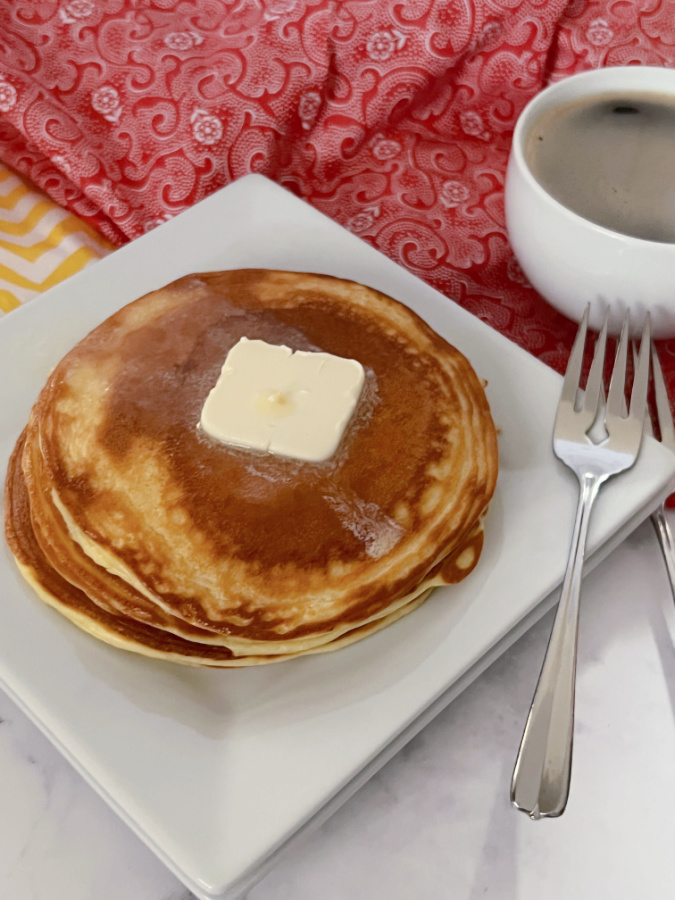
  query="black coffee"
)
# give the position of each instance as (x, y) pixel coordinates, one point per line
(611, 159)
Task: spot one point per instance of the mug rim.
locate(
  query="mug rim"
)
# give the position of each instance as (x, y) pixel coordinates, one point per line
(581, 85)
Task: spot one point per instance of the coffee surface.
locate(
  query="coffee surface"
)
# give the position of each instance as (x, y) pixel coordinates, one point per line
(610, 158)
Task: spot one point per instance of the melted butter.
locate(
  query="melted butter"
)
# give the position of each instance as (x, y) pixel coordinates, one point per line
(276, 404)
(303, 416)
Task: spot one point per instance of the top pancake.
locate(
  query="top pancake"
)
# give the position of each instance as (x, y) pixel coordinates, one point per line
(261, 548)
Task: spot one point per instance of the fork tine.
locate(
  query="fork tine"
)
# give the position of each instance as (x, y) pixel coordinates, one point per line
(638, 400)
(595, 377)
(648, 427)
(616, 397)
(663, 412)
(573, 371)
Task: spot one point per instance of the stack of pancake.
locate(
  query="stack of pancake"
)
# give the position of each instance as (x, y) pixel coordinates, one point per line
(129, 520)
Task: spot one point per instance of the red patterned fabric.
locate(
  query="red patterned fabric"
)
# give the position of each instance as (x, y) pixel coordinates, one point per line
(394, 118)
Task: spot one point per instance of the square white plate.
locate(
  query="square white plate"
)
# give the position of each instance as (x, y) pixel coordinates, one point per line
(218, 770)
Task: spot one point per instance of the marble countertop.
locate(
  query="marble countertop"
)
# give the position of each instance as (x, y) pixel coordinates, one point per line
(435, 822)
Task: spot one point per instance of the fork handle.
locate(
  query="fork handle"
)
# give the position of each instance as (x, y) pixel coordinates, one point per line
(541, 778)
(666, 543)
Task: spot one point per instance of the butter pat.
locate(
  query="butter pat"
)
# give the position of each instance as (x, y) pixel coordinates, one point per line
(295, 404)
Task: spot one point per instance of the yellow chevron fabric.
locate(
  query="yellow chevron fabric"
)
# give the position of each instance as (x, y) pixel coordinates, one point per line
(40, 243)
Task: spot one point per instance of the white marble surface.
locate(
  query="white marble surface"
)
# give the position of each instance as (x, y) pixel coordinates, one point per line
(435, 823)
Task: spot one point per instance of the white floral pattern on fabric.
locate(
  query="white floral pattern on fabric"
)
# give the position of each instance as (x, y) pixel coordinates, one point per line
(472, 123)
(206, 128)
(308, 108)
(106, 100)
(183, 40)
(599, 33)
(364, 219)
(8, 95)
(453, 193)
(80, 9)
(385, 148)
(383, 44)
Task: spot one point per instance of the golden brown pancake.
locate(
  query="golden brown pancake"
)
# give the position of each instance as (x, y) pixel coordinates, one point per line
(221, 555)
(125, 632)
(114, 595)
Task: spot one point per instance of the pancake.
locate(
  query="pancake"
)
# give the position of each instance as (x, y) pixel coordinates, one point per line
(119, 598)
(151, 535)
(125, 632)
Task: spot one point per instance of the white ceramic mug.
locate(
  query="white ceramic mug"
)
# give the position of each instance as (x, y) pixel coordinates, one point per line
(571, 261)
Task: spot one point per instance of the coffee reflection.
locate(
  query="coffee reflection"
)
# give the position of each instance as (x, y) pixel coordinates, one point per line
(611, 159)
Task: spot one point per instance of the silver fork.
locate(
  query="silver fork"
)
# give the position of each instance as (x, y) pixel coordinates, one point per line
(541, 778)
(664, 417)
